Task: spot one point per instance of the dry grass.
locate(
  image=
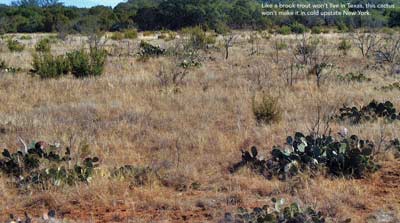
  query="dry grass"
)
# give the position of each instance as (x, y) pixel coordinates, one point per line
(194, 135)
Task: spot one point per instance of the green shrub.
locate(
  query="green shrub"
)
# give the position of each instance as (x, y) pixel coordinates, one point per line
(198, 39)
(316, 30)
(43, 46)
(266, 109)
(126, 34)
(344, 46)
(15, 46)
(85, 64)
(284, 30)
(49, 66)
(298, 28)
(130, 34)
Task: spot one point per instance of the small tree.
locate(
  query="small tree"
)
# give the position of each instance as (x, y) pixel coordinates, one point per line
(305, 49)
(277, 46)
(291, 71)
(309, 52)
(85, 64)
(366, 42)
(255, 42)
(389, 53)
(228, 42)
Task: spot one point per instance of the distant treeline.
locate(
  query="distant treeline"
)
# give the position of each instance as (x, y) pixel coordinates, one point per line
(219, 15)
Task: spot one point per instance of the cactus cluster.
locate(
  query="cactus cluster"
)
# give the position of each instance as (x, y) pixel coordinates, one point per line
(348, 157)
(278, 212)
(5, 68)
(40, 166)
(147, 50)
(354, 77)
(139, 175)
(394, 144)
(370, 112)
(190, 59)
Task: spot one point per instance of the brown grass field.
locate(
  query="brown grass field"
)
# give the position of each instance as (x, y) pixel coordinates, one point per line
(191, 133)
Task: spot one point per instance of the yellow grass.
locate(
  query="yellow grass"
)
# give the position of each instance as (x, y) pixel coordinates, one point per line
(194, 135)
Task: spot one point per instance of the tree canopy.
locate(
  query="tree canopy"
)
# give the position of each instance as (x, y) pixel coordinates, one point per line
(52, 16)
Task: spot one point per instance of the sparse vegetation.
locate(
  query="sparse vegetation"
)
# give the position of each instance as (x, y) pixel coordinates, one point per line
(391, 87)
(167, 128)
(352, 77)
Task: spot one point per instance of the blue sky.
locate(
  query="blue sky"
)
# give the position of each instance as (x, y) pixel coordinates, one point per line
(81, 3)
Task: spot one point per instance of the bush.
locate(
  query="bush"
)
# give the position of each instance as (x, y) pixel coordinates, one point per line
(117, 36)
(198, 38)
(84, 64)
(298, 28)
(266, 110)
(130, 34)
(43, 46)
(126, 34)
(344, 46)
(316, 30)
(49, 66)
(15, 46)
(284, 30)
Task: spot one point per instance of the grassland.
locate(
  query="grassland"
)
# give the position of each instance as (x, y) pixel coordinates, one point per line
(190, 133)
